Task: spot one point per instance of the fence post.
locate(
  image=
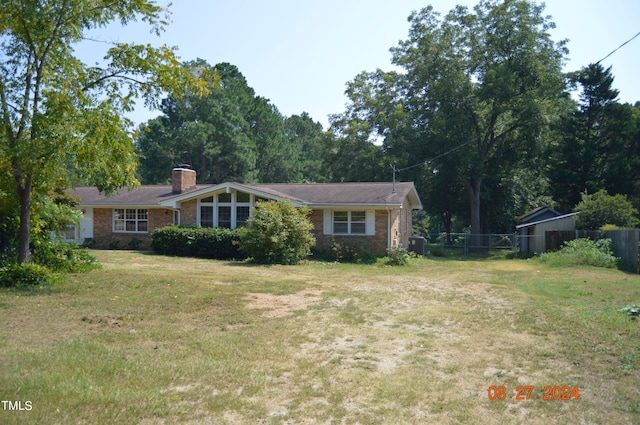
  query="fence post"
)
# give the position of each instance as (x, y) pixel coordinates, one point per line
(466, 244)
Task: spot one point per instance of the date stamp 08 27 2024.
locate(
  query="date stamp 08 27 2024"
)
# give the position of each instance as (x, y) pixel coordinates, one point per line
(526, 392)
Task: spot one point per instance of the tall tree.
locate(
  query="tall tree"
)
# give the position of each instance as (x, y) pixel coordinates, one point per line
(475, 95)
(228, 134)
(62, 119)
(578, 160)
(486, 82)
(308, 140)
(599, 142)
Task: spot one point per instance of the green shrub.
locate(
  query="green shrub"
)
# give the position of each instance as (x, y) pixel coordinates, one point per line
(346, 252)
(600, 208)
(582, 252)
(278, 233)
(397, 256)
(201, 242)
(26, 274)
(135, 243)
(61, 256)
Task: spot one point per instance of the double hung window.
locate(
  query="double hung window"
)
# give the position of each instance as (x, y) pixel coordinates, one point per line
(349, 222)
(130, 220)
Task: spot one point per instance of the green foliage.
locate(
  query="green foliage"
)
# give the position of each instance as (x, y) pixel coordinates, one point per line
(600, 208)
(348, 252)
(582, 252)
(222, 135)
(201, 242)
(599, 141)
(278, 233)
(420, 223)
(475, 95)
(26, 274)
(63, 121)
(135, 243)
(61, 256)
(8, 236)
(397, 256)
(53, 215)
(607, 227)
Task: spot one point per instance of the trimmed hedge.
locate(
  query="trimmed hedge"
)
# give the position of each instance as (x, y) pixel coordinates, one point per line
(201, 242)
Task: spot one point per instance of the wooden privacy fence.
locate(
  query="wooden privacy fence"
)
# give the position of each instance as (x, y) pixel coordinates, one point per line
(554, 239)
(624, 243)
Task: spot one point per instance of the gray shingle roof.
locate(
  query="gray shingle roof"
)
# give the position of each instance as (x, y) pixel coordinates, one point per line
(339, 193)
(362, 193)
(144, 195)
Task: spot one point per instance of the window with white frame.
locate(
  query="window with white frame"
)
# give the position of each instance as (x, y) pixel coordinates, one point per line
(224, 210)
(70, 233)
(243, 208)
(130, 220)
(349, 222)
(228, 210)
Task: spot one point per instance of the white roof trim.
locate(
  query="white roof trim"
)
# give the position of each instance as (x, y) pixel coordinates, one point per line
(521, 226)
(174, 202)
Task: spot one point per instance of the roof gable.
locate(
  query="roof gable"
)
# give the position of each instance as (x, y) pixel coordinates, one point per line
(537, 214)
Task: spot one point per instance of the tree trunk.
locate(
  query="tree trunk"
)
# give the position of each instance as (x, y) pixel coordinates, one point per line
(473, 187)
(24, 186)
(446, 219)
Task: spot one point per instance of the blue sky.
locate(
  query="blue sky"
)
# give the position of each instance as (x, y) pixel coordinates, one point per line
(301, 53)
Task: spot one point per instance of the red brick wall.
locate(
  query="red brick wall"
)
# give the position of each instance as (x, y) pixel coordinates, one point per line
(182, 179)
(376, 244)
(188, 213)
(103, 228)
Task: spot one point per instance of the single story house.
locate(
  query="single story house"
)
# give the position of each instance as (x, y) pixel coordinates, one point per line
(374, 215)
(532, 227)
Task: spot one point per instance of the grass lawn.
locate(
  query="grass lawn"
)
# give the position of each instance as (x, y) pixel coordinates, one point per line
(158, 340)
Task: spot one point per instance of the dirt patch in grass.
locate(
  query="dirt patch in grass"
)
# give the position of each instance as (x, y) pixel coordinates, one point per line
(283, 305)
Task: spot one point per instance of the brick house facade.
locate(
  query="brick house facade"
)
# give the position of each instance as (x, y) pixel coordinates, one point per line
(375, 216)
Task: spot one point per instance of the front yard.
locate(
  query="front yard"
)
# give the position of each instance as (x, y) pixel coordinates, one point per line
(161, 340)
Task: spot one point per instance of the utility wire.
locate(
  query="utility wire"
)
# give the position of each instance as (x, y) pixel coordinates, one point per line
(618, 48)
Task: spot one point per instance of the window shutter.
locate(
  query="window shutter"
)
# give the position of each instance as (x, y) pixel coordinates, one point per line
(371, 222)
(326, 222)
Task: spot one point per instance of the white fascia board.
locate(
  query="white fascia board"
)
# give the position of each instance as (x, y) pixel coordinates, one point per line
(352, 206)
(414, 193)
(175, 201)
(120, 206)
(560, 217)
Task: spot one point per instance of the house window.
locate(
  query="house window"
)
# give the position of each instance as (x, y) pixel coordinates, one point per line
(206, 216)
(242, 215)
(224, 210)
(228, 210)
(69, 233)
(224, 217)
(130, 220)
(349, 222)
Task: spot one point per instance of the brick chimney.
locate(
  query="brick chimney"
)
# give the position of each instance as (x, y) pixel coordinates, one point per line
(182, 179)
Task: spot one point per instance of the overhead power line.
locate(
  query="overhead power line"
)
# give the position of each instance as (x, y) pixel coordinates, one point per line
(426, 162)
(618, 48)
